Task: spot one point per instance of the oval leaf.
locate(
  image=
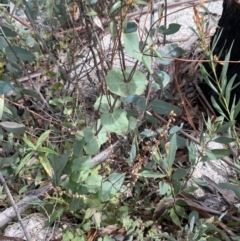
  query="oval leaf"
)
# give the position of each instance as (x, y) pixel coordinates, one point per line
(22, 54)
(164, 108)
(13, 127)
(117, 84)
(172, 28)
(131, 44)
(116, 122)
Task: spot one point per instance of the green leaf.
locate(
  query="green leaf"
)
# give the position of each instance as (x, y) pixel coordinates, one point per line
(151, 119)
(31, 9)
(107, 238)
(133, 124)
(116, 122)
(163, 108)
(63, 161)
(133, 113)
(131, 27)
(105, 193)
(92, 147)
(50, 4)
(175, 129)
(164, 188)
(1, 137)
(16, 6)
(193, 216)
(172, 28)
(199, 181)
(113, 27)
(60, 101)
(223, 77)
(79, 177)
(115, 6)
(74, 205)
(179, 210)
(46, 165)
(42, 138)
(23, 162)
(191, 152)
(56, 215)
(229, 89)
(161, 58)
(81, 163)
(224, 140)
(12, 159)
(179, 174)
(151, 174)
(89, 213)
(131, 99)
(148, 133)
(31, 93)
(217, 106)
(1, 106)
(175, 218)
(236, 110)
(8, 32)
(225, 127)
(141, 104)
(5, 87)
(131, 44)
(29, 143)
(142, 2)
(78, 146)
(94, 183)
(217, 153)
(13, 127)
(117, 180)
(133, 151)
(172, 151)
(103, 134)
(97, 219)
(58, 166)
(206, 77)
(118, 85)
(147, 60)
(22, 54)
(47, 150)
(169, 51)
(3, 42)
(105, 102)
(161, 78)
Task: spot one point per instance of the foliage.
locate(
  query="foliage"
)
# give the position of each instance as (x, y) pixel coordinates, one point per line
(61, 130)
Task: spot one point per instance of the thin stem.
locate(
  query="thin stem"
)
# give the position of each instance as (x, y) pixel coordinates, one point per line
(14, 206)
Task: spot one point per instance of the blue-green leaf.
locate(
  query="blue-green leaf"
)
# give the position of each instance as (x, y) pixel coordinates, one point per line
(172, 28)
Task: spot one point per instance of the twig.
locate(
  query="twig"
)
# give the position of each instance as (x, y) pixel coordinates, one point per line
(14, 206)
(21, 21)
(165, 21)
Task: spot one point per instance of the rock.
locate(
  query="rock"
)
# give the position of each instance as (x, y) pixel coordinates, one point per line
(34, 225)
